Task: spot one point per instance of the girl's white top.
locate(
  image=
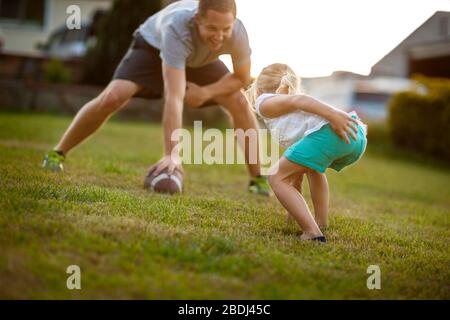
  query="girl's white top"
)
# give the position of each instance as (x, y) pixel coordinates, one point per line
(291, 127)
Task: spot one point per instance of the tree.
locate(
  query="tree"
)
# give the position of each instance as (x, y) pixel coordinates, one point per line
(115, 32)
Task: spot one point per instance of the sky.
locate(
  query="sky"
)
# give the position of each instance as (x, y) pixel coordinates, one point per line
(317, 37)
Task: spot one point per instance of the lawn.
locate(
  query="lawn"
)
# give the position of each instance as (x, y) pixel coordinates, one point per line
(216, 241)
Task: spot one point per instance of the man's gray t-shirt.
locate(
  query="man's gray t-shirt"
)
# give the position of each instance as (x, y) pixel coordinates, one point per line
(172, 31)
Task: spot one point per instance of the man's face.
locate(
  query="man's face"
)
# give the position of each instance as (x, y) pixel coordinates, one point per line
(215, 28)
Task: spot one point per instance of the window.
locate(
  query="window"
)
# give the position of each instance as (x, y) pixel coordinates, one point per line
(24, 12)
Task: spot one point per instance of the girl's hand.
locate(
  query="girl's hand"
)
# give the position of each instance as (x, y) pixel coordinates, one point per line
(343, 124)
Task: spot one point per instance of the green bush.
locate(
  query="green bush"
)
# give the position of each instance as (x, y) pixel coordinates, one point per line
(419, 119)
(378, 132)
(56, 72)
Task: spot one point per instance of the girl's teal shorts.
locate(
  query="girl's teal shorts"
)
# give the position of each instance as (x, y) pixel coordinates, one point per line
(324, 149)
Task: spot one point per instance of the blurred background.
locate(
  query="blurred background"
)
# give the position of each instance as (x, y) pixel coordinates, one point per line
(389, 61)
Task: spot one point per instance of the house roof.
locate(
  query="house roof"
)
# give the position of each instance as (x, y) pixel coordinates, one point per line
(437, 13)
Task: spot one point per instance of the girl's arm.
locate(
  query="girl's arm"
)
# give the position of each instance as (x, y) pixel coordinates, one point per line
(340, 121)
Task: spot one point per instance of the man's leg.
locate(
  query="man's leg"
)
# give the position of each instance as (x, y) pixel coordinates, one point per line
(243, 118)
(92, 115)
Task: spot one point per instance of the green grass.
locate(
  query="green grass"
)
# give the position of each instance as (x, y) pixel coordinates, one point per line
(216, 241)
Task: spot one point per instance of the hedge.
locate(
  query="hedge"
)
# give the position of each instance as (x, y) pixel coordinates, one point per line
(419, 119)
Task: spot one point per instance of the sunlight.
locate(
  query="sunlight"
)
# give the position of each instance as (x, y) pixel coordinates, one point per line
(321, 36)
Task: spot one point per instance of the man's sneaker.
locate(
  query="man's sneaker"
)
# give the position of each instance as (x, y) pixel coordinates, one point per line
(260, 185)
(53, 161)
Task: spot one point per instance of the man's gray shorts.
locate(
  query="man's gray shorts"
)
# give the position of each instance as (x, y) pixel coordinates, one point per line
(142, 65)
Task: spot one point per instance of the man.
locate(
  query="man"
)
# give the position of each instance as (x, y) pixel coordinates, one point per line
(175, 54)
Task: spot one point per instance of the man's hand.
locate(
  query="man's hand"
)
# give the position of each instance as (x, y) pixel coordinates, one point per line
(343, 124)
(196, 95)
(169, 162)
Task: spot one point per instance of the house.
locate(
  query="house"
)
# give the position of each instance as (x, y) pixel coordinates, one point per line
(368, 96)
(425, 51)
(25, 23)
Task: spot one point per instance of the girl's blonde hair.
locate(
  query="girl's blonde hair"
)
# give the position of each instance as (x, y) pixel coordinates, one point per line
(275, 78)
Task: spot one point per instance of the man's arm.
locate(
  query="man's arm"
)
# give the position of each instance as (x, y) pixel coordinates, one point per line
(232, 82)
(174, 91)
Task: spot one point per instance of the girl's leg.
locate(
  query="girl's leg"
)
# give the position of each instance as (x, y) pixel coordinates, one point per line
(318, 185)
(290, 198)
(297, 182)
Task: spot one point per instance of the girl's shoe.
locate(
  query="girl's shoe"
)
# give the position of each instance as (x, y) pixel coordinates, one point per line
(320, 239)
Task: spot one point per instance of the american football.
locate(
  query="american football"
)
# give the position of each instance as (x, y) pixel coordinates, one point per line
(165, 183)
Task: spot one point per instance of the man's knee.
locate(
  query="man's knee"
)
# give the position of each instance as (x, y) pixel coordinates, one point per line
(112, 98)
(236, 102)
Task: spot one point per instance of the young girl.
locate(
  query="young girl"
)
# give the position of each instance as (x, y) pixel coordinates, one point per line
(316, 135)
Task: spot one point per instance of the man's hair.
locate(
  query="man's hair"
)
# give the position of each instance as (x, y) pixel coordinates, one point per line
(222, 6)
